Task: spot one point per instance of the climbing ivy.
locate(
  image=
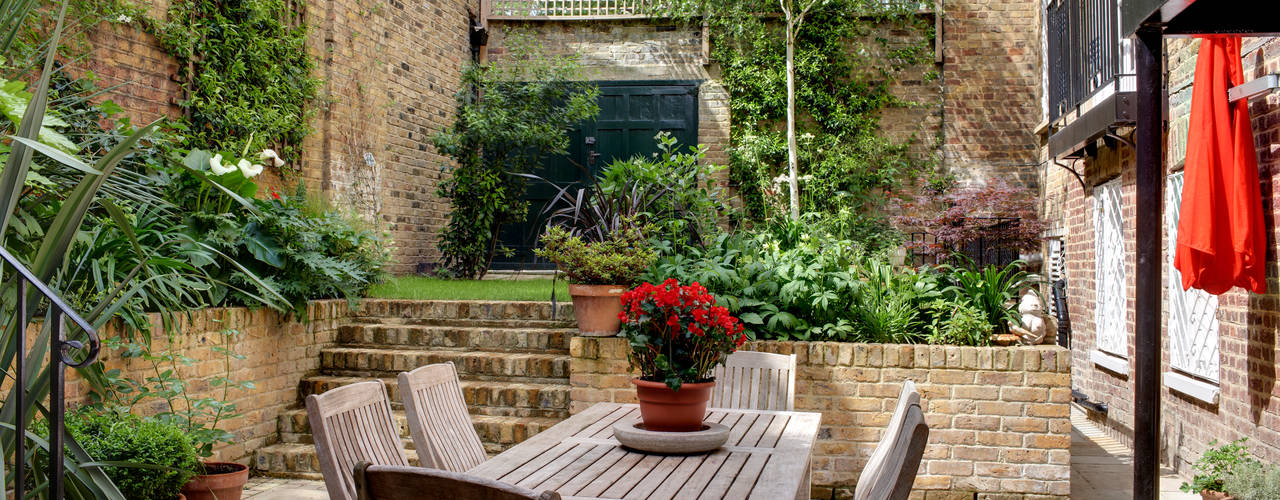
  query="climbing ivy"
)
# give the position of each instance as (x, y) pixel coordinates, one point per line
(246, 72)
(844, 66)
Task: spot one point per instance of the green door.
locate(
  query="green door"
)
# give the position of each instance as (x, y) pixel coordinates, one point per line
(631, 114)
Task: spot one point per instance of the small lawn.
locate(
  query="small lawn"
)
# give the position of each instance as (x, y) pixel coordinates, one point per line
(420, 288)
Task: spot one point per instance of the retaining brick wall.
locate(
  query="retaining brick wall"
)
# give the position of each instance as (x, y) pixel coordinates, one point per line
(278, 353)
(999, 418)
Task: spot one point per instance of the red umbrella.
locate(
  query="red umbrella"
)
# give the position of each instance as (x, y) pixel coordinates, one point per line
(1221, 239)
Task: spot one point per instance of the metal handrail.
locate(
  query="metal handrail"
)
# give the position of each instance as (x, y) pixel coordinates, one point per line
(57, 375)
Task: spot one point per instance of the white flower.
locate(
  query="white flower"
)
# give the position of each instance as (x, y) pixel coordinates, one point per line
(249, 169)
(216, 166)
(270, 154)
(124, 19)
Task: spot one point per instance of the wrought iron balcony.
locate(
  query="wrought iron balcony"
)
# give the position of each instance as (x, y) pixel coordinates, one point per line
(1091, 73)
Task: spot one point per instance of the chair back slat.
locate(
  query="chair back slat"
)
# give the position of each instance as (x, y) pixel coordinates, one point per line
(755, 381)
(387, 482)
(353, 424)
(891, 469)
(439, 420)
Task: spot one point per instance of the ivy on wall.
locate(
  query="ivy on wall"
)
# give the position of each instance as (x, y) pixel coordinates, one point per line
(844, 67)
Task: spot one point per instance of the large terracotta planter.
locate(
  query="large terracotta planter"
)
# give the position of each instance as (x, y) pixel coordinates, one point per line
(218, 486)
(662, 409)
(1214, 495)
(596, 307)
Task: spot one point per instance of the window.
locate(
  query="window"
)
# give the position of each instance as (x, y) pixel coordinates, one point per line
(1193, 317)
(1109, 283)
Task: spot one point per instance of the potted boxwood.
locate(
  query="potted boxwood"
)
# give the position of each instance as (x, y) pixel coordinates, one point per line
(1215, 466)
(162, 455)
(677, 335)
(599, 272)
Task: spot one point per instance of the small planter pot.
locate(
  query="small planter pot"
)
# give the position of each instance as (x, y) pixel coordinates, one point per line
(596, 308)
(226, 482)
(665, 410)
(1214, 495)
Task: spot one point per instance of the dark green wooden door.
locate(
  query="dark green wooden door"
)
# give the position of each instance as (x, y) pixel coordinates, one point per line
(631, 114)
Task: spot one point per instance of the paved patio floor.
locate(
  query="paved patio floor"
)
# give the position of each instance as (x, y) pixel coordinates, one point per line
(1101, 469)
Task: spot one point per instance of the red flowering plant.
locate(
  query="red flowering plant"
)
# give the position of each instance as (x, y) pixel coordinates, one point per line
(677, 333)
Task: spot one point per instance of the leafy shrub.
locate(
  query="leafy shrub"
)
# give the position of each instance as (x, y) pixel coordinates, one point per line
(617, 260)
(990, 291)
(1217, 464)
(1253, 481)
(111, 437)
(998, 214)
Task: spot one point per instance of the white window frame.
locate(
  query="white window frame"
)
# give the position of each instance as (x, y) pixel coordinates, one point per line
(1110, 278)
(1193, 325)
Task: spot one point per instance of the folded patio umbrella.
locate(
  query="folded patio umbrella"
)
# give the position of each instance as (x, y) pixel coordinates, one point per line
(1221, 240)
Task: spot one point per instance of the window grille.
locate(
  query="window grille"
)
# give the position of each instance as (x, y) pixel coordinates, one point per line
(1109, 264)
(564, 9)
(1193, 314)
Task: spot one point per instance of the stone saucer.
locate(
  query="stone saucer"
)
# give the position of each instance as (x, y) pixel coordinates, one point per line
(632, 434)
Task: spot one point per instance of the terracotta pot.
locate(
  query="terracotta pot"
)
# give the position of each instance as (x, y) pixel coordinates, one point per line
(181, 496)
(221, 486)
(596, 307)
(1214, 495)
(662, 409)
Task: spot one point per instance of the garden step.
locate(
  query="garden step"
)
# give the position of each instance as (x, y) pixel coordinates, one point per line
(471, 337)
(426, 310)
(484, 397)
(469, 323)
(298, 459)
(374, 362)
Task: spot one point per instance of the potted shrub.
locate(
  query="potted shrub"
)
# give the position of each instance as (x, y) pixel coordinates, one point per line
(677, 335)
(1215, 466)
(599, 272)
(1253, 481)
(163, 453)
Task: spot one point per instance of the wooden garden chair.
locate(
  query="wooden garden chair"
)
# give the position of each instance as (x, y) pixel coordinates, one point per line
(439, 420)
(751, 380)
(892, 467)
(392, 482)
(353, 424)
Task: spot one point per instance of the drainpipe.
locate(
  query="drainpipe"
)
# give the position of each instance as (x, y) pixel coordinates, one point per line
(1150, 170)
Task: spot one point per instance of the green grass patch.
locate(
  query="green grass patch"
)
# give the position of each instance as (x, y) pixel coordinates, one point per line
(420, 288)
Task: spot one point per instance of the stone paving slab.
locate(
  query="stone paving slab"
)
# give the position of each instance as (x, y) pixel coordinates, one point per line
(270, 488)
(1102, 468)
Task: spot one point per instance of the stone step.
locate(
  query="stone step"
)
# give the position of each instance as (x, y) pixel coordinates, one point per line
(511, 366)
(507, 339)
(298, 459)
(415, 311)
(484, 397)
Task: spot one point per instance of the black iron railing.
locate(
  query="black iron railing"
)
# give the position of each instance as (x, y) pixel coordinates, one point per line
(983, 251)
(60, 350)
(1085, 52)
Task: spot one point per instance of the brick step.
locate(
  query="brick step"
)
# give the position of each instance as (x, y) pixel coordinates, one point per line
(469, 323)
(298, 459)
(378, 362)
(484, 397)
(438, 310)
(508, 339)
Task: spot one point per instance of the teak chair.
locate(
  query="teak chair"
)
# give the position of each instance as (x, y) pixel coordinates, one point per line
(892, 467)
(353, 424)
(751, 380)
(391, 482)
(439, 420)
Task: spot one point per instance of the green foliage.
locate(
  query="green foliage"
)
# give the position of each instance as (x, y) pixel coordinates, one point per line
(148, 459)
(990, 291)
(1217, 464)
(957, 323)
(246, 71)
(510, 115)
(617, 260)
(1253, 481)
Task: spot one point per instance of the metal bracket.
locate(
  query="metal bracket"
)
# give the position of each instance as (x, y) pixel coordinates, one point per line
(1254, 88)
(1073, 171)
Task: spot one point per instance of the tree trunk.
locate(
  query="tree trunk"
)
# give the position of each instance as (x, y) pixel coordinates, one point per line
(793, 180)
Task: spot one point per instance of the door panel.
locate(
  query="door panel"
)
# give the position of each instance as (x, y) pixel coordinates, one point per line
(631, 114)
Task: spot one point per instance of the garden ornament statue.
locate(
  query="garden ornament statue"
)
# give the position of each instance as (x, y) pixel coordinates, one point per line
(1036, 324)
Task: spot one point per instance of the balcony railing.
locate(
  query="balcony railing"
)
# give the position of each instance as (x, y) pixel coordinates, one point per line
(565, 10)
(1087, 56)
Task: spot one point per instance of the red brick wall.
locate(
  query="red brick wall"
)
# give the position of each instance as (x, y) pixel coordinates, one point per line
(1249, 404)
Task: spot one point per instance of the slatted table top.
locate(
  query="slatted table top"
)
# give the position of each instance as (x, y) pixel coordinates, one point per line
(766, 457)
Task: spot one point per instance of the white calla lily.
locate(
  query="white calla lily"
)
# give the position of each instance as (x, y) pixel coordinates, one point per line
(249, 169)
(272, 156)
(218, 168)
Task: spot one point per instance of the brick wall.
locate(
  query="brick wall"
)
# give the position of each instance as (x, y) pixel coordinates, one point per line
(278, 353)
(1249, 403)
(998, 417)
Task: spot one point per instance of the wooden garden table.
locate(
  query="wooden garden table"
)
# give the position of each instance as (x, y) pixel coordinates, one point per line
(766, 457)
